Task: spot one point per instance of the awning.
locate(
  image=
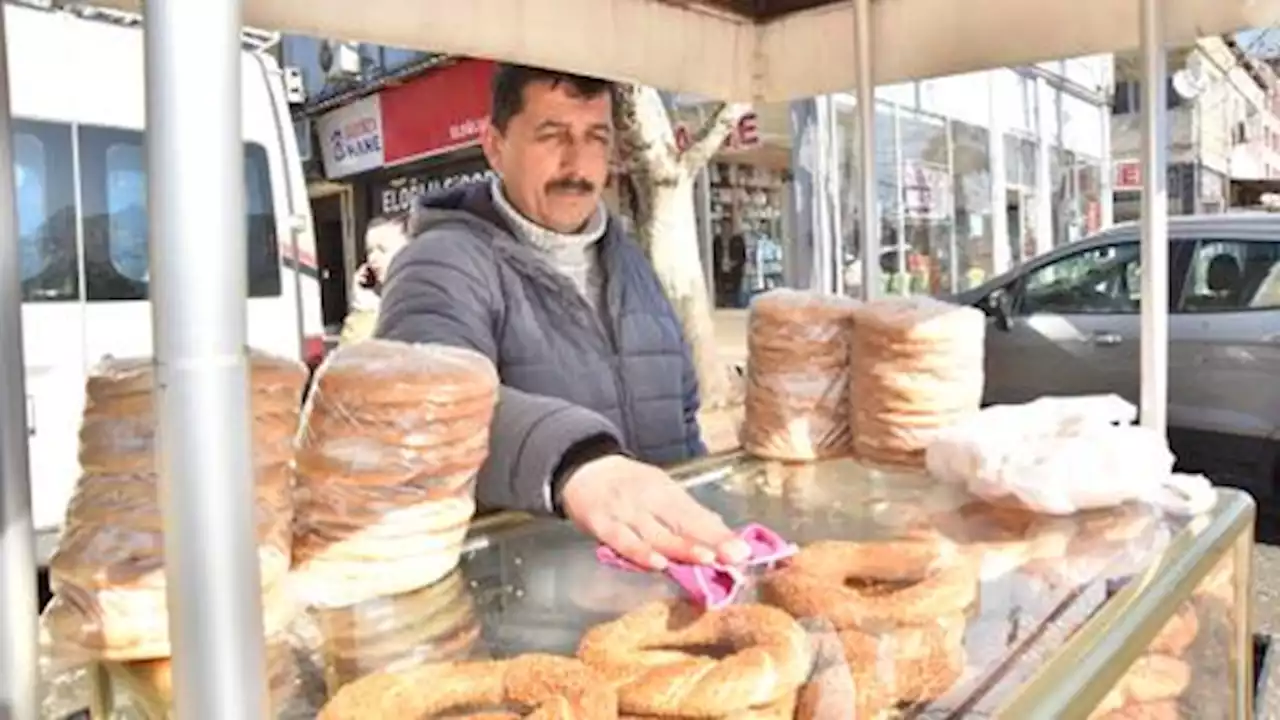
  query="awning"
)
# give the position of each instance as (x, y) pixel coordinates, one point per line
(763, 50)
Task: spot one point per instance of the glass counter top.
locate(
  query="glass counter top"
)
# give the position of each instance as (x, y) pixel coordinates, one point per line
(537, 586)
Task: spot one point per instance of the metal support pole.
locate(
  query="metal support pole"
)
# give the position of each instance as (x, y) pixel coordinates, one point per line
(835, 191)
(899, 190)
(868, 215)
(953, 245)
(1155, 220)
(18, 673)
(195, 162)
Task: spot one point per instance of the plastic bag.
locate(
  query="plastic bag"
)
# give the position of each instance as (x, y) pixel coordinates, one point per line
(797, 376)
(916, 366)
(354, 544)
(107, 574)
(385, 413)
(1061, 455)
(392, 438)
(118, 432)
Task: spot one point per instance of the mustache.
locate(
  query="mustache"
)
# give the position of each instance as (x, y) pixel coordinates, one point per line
(578, 185)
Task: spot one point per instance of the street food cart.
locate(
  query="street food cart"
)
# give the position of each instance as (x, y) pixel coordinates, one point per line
(1066, 649)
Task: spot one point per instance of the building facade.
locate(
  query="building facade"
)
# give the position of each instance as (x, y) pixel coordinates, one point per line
(975, 173)
(1222, 125)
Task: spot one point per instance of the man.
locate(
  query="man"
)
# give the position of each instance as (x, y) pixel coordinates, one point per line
(531, 271)
(385, 236)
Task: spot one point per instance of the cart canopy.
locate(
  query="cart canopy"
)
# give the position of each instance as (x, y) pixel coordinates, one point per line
(755, 50)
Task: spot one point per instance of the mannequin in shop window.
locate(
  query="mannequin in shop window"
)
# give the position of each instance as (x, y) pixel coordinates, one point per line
(384, 237)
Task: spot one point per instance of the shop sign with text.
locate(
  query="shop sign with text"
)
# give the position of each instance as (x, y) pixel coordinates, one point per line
(745, 134)
(397, 195)
(351, 139)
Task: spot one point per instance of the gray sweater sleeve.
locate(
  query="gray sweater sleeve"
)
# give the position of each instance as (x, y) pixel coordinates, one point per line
(444, 288)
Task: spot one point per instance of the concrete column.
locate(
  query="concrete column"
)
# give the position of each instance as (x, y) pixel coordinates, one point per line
(1044, 180)
(1000, 258)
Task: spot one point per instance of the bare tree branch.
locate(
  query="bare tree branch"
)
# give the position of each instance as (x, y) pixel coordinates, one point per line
(712, 134)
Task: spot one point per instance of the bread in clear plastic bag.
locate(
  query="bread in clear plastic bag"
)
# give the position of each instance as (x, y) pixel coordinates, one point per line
(128, 624)
(117, 435)
(385, 413)
(1062, 455)
(916, 366)
(113, 536)
(797, 379)
(392, 438)
(107, 574)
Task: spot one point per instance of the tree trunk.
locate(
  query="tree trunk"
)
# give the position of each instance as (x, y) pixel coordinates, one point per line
(671, 235)
(662, 182)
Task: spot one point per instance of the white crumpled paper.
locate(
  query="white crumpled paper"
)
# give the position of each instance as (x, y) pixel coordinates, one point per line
(1062, 455)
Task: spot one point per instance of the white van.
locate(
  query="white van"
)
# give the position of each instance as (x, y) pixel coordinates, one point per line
(77, 94)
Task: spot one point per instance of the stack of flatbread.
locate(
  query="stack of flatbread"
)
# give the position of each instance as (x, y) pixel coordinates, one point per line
(797, 376)
(393, 436)
(916, 367)
(107, 575)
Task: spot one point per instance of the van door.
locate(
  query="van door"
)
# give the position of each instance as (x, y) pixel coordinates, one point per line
(52, 311)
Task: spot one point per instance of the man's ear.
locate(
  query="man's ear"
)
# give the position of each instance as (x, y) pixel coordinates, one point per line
(491, 144)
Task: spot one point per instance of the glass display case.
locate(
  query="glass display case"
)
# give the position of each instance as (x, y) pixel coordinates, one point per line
(1101, 615)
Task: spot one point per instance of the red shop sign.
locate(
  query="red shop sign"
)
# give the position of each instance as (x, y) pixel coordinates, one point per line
(1128, 175)
(434, 113)
(746, 134)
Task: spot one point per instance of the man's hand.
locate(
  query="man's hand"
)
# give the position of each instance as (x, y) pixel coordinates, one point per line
(640, 512)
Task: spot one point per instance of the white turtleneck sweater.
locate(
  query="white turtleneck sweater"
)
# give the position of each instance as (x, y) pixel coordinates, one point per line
(575, 255)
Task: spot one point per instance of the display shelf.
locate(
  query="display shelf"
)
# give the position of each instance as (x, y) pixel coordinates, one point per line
(1063, 607)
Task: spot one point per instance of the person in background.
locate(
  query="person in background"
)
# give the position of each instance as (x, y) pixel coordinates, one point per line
(532, 271)
(385, 236)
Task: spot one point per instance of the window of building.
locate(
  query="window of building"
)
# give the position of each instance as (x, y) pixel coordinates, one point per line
(44, 191)
(114, 217)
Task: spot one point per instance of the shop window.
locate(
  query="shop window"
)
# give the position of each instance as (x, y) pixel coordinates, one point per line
(114, 196)
(1103, 280)
(1227, 275)
(45, 193)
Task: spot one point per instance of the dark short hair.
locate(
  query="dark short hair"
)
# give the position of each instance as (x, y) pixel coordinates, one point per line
(509, 82)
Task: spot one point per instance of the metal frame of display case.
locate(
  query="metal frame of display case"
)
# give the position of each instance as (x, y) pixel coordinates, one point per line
(1081, 669)
(199, 280)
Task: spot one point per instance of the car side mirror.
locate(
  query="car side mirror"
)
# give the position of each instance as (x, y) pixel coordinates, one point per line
(999, 306)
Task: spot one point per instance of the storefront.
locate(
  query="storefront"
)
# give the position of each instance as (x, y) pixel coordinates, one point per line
(383, 150)
(1194, 188)
(975, 173)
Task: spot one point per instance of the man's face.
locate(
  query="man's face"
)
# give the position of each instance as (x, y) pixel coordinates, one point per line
(554, 155)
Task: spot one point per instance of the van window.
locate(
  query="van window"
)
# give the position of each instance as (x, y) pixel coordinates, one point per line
(114, 216)
(45, 195)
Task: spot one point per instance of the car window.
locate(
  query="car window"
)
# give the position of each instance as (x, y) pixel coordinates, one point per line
(1104, 280)
(1232, 275)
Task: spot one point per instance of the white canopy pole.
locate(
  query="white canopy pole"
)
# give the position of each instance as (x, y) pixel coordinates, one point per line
(195, 164)
(868, 214)
(18, 678)
(1155, 220)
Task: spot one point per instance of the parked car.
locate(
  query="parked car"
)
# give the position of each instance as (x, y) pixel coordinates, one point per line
(1068, 323)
